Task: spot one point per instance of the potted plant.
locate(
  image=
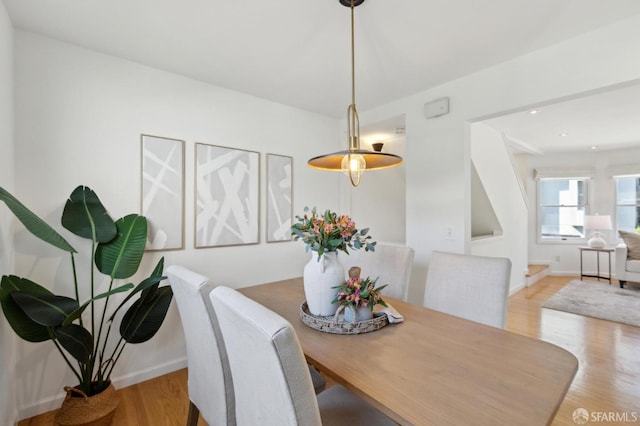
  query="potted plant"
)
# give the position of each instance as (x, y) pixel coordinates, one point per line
(325, 234)
(357, 297)
(81, 329)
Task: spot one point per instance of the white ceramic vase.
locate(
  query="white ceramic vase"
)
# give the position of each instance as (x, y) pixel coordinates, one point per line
(319, 278)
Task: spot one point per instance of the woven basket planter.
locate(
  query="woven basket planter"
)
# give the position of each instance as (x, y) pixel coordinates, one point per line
(80, 410)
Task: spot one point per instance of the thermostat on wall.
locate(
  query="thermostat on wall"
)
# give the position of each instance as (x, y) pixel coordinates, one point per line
(436, 108)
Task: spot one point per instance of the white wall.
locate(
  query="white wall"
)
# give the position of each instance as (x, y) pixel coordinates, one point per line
(379, 201)
(437, 158)
(494, 166)
(79, 116)
(484, 222)
(8, 411)
(564, 258)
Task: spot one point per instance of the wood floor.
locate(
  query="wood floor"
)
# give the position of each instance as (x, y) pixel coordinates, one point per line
(608, 379)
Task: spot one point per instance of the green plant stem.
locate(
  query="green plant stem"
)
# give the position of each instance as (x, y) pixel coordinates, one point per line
(75, 282)
(99, 374)
(104, 346)
(86, 374)
(83, 373)
(115, 360)
(92, 358)
(64, 356)
(106, 337)
(93, 253)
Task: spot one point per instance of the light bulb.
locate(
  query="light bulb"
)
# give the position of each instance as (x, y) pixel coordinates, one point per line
(354, 165)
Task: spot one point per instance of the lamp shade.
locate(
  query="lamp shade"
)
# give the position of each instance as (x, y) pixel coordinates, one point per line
(597, 222)
(374, 160)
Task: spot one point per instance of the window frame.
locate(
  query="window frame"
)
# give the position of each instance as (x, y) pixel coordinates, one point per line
(616, 204)
(561, 240)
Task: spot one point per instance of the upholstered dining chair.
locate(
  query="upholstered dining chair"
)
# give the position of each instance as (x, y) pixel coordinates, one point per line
(210, 383)
(270, 376)
(471, 287)
(390, 262)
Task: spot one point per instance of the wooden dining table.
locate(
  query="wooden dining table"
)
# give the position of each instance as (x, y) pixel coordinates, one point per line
(433, 368)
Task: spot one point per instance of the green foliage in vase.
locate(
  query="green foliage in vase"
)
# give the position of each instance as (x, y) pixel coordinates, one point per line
(329, 232)
(117, 247)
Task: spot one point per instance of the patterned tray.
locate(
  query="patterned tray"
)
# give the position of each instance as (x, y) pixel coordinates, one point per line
(328, 324)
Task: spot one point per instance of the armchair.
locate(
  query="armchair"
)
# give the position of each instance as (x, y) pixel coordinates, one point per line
(626, 269)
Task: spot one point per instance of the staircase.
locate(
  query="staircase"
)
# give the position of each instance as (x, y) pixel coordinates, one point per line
(536, 273)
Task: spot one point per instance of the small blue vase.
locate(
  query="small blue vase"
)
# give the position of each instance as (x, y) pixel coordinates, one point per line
(362, 314)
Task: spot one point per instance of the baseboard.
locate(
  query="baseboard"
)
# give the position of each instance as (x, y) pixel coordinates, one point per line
(149, 373)
(564, 273)
(39, 407)
(532, 279)
(54, 402)
(516, 289)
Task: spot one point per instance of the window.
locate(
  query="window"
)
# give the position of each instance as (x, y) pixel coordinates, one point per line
(628, 203)
(562, 208)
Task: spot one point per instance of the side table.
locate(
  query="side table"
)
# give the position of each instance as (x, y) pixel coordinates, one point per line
(598, 250)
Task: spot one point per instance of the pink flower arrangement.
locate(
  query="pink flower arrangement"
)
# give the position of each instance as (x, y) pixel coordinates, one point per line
(330, 232)
(359, 293)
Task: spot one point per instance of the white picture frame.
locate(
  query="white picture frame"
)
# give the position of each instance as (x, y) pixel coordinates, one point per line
(279, 198)
(162, 191)
(227, 200)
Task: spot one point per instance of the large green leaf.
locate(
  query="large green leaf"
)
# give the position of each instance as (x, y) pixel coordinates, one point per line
(76, 314)
(120, 257)
(34, 224)
(85, 216)
(157, 272)
(76, 340)
(147, 284)
(144, 318)
(24, 326)
(45, 309)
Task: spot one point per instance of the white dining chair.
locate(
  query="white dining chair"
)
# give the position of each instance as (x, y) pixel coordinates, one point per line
(270, 376)
(210, 386)
(471, 287)
(210, 383)
(391, 262)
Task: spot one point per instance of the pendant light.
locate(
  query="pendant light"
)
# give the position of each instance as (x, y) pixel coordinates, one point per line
(354, 161)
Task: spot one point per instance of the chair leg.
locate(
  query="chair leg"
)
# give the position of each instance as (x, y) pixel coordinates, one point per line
(316, 378)
(622, 283)
(194, 413)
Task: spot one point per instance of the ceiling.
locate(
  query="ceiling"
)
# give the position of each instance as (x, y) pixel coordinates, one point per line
(602, 121)
(296, 52)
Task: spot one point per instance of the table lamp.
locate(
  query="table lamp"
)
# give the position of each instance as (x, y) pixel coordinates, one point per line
(596, 223)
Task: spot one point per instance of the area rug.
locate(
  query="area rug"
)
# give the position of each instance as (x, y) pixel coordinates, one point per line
(598, 300)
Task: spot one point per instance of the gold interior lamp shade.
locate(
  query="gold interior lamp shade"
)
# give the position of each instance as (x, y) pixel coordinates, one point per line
(373, 160)
(354, 161)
